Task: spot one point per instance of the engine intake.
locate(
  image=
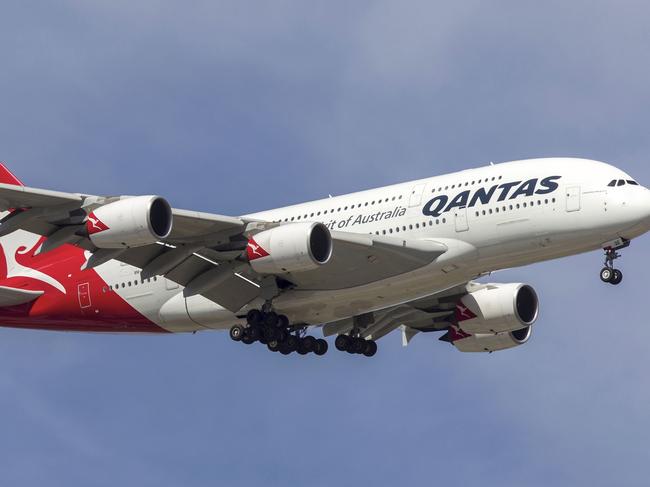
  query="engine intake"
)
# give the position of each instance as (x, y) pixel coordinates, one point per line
(498, 308)
(295, 247)
(130, 222)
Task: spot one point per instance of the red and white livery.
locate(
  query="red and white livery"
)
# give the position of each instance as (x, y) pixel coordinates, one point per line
(358, 266)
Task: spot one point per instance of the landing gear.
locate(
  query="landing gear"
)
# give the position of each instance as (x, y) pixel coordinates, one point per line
(237, 333)
(276, 332)
(608, 273)
(354, 344)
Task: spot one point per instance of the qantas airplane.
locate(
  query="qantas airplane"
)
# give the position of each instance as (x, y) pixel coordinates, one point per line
(359, 266)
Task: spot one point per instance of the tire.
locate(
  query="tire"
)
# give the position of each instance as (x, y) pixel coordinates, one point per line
(237, 333)
(255, 332)
(254, 317)
(617, 278)
(247, 338)
(271, 319)
(321, 347)
(371, 348)
(606, 274)
(283, 322)
(292, 342)
(270, 333)
(281, 335)
(358, 345)
(285, 350)
(274, 346)
(308, 343)
(342, 343)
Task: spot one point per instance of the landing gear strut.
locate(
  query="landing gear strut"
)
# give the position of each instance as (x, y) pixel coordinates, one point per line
(355, 344)
(608, 273)
(276, 332)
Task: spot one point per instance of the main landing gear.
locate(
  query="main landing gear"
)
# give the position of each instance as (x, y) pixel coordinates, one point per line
(608, 273)
(355, 344)
(277, 334)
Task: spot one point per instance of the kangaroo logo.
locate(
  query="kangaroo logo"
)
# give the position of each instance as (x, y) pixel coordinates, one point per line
(95, 225)
(25, 244)
(255, 251)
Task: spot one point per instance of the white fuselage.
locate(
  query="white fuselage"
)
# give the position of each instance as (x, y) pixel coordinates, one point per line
(525, 212)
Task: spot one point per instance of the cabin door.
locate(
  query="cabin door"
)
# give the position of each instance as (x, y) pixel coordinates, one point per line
(416, 195)
(573, 198)
(460, 216)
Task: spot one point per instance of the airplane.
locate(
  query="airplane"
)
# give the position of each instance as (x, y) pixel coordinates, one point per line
(358, 266)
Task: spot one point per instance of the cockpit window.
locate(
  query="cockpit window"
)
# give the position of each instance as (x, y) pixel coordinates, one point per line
(622, 182)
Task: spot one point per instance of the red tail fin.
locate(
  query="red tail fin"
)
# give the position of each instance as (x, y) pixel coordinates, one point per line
(7, 178)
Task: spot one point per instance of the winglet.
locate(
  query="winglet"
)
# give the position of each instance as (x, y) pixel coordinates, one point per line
(6, 177)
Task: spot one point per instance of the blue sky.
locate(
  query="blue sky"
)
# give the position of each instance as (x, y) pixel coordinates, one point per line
(234, 107)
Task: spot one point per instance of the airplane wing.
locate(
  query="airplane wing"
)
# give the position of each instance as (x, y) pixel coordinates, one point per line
(203, 251)
(428, 314)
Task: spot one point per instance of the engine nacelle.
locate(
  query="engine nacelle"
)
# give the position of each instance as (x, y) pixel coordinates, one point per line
(498, 308)
(295, 247)
(493, 343)
(130, 222)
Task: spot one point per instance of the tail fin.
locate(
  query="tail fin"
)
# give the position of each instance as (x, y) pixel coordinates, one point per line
(6, 177)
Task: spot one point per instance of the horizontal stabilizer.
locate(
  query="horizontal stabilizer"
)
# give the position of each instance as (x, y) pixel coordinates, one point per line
(10, 296)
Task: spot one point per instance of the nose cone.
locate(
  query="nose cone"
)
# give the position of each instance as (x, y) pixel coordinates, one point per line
(644, 208)
(637, 209)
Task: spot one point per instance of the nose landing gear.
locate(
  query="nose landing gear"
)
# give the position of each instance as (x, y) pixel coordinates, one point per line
(608, 273)
(276, 332)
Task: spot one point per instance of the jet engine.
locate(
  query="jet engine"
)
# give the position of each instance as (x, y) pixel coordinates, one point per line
(493, 343)
(130, 222)
(498, 308)
(295, 247)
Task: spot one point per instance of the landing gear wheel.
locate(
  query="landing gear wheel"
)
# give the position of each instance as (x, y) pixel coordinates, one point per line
(285, 350)
(292, 343)
(607, 274)
(237, 333)
(342, 343)
(283, 322)
(309, 343)
(247, 338)
(302, 350)
(254, 317)
(371, 348)
(271, 333)
(271, 319)
(358, 346)
(274, 346)
(320, 348)
(255, 332)
(617, 278)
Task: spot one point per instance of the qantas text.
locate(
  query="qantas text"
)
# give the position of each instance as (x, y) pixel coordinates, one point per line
(442, 204)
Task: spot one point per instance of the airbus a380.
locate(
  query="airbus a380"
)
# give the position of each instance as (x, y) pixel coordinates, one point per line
(358, 266)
